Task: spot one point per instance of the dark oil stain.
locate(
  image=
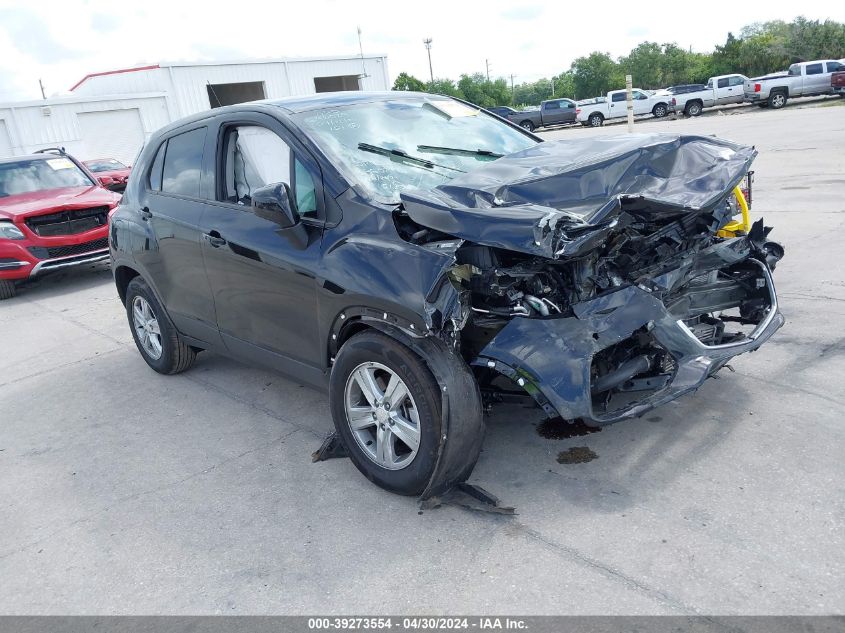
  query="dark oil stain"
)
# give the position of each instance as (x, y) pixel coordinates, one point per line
(654, 418)
(560, 429)
(576, 455)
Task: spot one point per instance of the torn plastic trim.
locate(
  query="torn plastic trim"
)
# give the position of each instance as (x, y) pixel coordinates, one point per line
(553, 357)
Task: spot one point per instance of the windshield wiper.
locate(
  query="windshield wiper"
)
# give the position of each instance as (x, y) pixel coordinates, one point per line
(401, 156)
(457, 151)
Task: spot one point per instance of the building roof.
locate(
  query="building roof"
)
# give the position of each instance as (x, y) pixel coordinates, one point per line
(279, 60)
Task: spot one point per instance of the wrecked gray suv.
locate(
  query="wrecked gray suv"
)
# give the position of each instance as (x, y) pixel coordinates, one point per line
(419, 260)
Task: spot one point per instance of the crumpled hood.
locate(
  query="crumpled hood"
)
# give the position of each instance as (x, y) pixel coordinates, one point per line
(558, 198)
(55, 200)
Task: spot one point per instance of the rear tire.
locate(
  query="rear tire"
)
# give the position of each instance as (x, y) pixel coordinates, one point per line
(527, 125)
(777, 100)
(595, 120)
(368, 421)
(155, 335)
(693, 109)
(660, 110)
(7, 289)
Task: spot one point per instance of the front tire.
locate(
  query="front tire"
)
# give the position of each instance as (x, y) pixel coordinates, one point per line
(155, 335)
(7, 289)
(527, 125)
(386, 407)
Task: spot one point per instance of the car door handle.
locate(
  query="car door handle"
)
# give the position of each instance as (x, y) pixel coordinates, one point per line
(146, 214)
(214, 238)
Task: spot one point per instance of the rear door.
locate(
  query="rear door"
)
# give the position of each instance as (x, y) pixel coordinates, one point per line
(816, 80)
(618, 104)
(551, 112)
(171, 204)
(723, 90)
(567, 109)
(261, 274)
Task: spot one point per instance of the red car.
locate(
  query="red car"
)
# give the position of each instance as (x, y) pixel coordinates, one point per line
(53, 214)
(111, 173)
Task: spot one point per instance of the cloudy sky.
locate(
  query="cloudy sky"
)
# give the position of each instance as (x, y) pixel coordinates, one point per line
(60, 42)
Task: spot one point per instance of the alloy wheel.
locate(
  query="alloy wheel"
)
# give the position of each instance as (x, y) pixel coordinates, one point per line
(382, 415)
(146, 326)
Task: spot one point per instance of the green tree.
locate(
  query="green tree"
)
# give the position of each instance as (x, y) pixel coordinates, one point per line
(444, 87)
(408, 82)
(595, 75)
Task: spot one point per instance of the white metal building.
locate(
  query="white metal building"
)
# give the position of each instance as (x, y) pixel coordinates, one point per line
(110, 114)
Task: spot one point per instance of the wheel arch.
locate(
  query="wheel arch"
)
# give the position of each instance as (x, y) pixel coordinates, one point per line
(123, 274)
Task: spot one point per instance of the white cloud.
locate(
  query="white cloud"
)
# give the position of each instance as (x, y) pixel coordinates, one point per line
(62, 42)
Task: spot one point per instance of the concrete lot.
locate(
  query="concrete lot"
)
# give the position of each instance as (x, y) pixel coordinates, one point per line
(122, 491)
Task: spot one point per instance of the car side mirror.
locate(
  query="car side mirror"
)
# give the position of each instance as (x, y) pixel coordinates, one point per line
(274, 203)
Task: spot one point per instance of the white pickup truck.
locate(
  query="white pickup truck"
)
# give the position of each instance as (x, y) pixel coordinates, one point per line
(720, 90)
(614, 106)
(801, 80)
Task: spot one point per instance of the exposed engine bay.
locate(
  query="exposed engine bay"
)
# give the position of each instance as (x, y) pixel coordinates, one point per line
(607, 310)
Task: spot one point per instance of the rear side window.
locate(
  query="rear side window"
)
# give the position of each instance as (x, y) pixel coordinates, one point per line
(619, 96)
(723, 82)
(183, 164)
(155, 170)
(552, 105)
(815, 69)
(736, 81)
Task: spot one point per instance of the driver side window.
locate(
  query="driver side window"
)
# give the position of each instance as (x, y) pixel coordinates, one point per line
(255, 157)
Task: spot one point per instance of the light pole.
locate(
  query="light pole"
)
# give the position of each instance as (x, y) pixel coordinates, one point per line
(427, 42)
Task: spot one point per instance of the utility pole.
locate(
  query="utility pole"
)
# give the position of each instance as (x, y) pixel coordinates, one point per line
(427, 42)
(364, 74)
(513, 95)
(41, 85)
(487, 64)
(553, 87)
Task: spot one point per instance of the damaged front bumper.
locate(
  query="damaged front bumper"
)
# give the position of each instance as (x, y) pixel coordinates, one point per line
(552, 359)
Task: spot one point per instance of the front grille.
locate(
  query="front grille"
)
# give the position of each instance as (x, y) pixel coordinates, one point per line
(68, 222)
(66, 251)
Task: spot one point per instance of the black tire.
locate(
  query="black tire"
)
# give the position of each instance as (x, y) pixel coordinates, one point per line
(381, 350)
(660, 110)
(693, 109)
(777, 99)
(527, 125)
(595, 120)
(176, 356)
(7, 289)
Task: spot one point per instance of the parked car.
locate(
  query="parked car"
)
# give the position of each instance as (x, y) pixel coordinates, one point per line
(53, 214)
(551, 112)
(110, 173)
(801, 80)
(614, 106)
(719, 90)
(418, 259)
(502, 111)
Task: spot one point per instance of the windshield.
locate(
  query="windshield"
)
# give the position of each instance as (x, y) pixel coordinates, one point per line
(109, 164)
(40, 174)
(390, 146)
